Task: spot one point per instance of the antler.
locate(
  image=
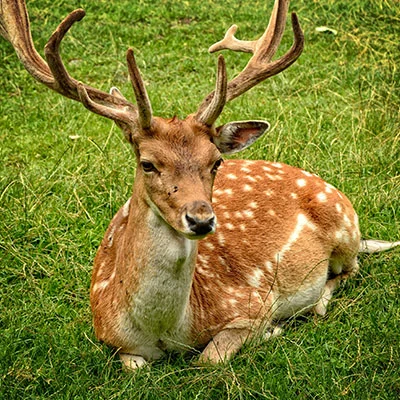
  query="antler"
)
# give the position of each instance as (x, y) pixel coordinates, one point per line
(211, 113)
(260, 66)
(15, 27)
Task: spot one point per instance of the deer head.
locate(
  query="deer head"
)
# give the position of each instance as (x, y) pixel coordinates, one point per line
(177, 159)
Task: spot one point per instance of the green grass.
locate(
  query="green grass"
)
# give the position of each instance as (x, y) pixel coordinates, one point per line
(335, 113)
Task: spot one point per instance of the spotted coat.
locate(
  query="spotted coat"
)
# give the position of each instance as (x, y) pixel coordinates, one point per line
(257, 268)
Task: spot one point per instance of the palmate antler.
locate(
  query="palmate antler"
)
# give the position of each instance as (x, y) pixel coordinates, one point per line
(260, 66)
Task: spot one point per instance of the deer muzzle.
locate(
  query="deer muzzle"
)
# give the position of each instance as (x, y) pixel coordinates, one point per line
(199, 219)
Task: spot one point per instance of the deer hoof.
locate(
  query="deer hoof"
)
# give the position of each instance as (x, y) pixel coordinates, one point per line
(131, 362)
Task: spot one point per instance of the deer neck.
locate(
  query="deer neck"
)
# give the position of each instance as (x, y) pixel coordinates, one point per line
(161, 269)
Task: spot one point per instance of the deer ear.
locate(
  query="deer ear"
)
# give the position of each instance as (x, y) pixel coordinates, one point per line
(236, 136)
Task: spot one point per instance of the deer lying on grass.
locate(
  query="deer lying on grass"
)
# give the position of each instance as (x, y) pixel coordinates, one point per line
(284, 241)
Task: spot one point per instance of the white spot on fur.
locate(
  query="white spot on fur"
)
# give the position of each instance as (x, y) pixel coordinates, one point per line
(222, 261)
(247, 188)
(201, 270)
(342, 235)
(221, 238)
(302, 223)
(238, 214)
(254, 279)
(346, 219)
(277, 165)
(267, 169)
(321, 196)
(301, 182)
(306, 173)
(203, 259)
(228, 192)
(248, 213)
(229, 226)
(329, 188)
(103, 284)
(251, 179)
(272, 212)
(269, 266)
(253, 204)
(233, 301)
(269, 192)
(245, 169)
(339, 207)
(255, 295)
(100, 270)
(242, 227)
(227, 215)
(294, 195)
(209, 245)
(274, 177)
(231, 176)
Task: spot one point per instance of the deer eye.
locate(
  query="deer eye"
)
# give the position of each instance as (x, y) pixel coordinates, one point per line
(148, 166)
(216, 165)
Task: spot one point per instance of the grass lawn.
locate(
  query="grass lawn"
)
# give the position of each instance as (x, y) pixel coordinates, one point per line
(64, 172)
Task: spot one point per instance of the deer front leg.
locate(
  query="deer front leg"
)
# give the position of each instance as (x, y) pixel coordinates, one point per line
(132, 362)
(224, 345)
(144, 354)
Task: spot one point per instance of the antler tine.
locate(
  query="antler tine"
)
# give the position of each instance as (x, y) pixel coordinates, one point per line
(65, 84)
(266, 46)
(15, 27)
(142, 99)
(230, 42)
(93, 99)
(260, 66)
(212, 112)
(116, 114)
(269, 42)
(258, 69)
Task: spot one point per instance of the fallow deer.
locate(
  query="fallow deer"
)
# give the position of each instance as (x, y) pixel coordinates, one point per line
(284, 240)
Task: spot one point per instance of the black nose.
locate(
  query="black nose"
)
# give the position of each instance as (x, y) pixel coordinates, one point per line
(200, 217)
(200, 226)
